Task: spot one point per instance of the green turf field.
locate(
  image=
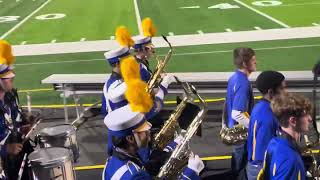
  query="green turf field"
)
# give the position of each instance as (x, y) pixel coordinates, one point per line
(292, 12)
(85, 19)
(296, 54)
(75, 20)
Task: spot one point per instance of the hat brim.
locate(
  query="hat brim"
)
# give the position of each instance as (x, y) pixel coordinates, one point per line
(143, 127)
(8, 75)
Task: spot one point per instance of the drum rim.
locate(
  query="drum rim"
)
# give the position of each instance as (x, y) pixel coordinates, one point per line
(73, 131)
(52, 162)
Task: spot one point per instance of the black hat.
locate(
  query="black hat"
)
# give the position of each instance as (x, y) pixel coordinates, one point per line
(269, 80)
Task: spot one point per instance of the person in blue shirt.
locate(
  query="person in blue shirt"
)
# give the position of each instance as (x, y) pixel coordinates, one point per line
(283, 157)
(131, 136)
(263, 125)
(239, 103)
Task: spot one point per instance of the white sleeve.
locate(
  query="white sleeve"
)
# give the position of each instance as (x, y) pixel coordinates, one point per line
(240, 117)
(116, 92)
(160, 94)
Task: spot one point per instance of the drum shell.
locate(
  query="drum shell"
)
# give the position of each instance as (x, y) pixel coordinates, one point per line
(64, 136)
(51, 164)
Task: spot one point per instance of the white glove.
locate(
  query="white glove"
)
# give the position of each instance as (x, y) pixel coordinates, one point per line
(178, 140)
(167, 80)
(195, 163)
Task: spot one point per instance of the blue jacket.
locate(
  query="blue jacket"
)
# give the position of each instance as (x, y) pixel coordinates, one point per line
(283, 160)
(263, 127)
(121, 166)
(239, 96)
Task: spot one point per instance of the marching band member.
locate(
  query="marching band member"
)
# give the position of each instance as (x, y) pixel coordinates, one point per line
(239, 102)
(283, 158)
(144, 49)
(131, 132)
(263, 124)
(12, 126)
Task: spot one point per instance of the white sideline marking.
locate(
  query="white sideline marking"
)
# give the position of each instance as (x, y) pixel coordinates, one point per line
(136, 9)
(171, 34)
(200, 32)
(229, 30)
(177, 54)
(24, 20)
(190, 7)
(23, 43)
(54, 41)
(82, 39)
(315, 24)
(257, 28)
(262, 14)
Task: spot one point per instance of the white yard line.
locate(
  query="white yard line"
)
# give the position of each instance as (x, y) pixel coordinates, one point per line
(24, 20)
(175, 54)
(82, 39)
(54, 41)
(136, 9)
(257, 28)
(262, 14)
(228, 30)
(315, 24)
(112, 37)
(200, 32)
(171, 34)
(23, 43)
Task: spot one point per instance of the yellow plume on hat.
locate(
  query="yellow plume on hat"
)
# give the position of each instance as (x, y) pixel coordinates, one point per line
(123, 37)
(136, 94)
(6, 56)
(148, 27)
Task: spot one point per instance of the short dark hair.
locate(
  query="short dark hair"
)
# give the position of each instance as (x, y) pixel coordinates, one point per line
(120, 142)
(113, 65)
(269, 80)
(242, 55)
(290, 105)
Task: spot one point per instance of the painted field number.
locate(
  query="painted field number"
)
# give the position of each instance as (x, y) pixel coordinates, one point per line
(267, 3)
(223, 6)
(7, 19)
(4, 19)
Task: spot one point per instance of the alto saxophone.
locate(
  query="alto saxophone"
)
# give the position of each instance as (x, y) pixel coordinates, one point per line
(156, 79)
(232, 136)
(180, 155)
(167, 132)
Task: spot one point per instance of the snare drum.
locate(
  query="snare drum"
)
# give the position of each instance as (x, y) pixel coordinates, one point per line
(63, 135)
(51, 164)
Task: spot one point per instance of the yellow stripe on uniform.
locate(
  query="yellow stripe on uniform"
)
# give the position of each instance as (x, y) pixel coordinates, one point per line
(254, 141)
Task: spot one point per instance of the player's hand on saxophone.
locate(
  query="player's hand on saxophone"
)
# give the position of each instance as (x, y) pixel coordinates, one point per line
(195, 163)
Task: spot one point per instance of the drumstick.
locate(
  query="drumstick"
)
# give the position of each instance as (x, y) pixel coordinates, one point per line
(31, 130)
(22, 166)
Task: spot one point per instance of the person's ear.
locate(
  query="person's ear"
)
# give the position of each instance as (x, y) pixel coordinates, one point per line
(293, 121)
(130, 139)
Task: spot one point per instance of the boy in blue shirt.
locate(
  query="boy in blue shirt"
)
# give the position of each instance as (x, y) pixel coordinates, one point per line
(239, 102)
(263, 124)
(283, 157)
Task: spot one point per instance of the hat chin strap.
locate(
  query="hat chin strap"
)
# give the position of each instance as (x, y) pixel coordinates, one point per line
(138, 142)
(2, 86)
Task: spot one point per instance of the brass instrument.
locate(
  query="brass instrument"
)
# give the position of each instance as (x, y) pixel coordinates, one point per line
(167, 132)
(232, 136)
(156, 79)
(180, 155)
(315, 168)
